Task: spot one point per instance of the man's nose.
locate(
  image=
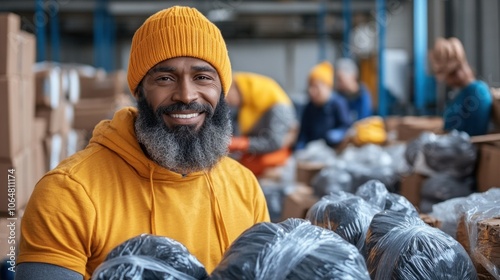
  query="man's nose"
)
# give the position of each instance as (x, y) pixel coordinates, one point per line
(186, 92)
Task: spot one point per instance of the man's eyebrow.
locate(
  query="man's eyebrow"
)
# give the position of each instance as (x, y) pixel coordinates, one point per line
(167, 69)
(204, 69)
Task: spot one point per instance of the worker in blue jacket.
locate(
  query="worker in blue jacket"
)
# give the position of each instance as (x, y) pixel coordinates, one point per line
(326, 116)
(356, 94)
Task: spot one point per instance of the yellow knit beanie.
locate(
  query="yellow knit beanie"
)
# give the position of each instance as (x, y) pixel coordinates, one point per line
(174, 32)
(322, 72)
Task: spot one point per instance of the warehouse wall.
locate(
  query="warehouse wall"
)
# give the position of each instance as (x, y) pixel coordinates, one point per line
(287, 61)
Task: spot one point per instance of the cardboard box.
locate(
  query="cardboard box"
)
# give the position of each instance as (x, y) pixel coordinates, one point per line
(89, 112)
(297, 203)
(28, 53)
(38, 144)
(22, 181)
(11, 119)
(48, 87)
(488, 168)
(411, 127)
(101, 86)
(58, 120)
(307, 170)
(410, 188)
(496, 111)
(27, 91)
(10, 44)
(53, 150)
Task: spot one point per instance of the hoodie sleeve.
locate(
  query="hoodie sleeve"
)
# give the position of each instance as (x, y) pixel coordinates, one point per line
(57, 224)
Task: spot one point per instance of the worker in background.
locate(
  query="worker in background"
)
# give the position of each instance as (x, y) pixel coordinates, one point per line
(326, 116)
(264, 122)
(160, 168)
(355, 93)
(470, 109)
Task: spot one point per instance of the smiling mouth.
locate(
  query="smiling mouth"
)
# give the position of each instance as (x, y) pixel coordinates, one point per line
(185, 116)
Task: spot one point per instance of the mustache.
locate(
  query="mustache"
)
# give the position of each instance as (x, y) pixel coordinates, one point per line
(193, 106)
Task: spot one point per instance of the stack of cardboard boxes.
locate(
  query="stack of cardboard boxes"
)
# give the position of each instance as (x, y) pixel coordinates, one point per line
(55, 109)
(17, 107)
(20, 146)
(101, 95)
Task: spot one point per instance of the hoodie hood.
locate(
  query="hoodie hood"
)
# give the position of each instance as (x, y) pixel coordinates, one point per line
(119, 136)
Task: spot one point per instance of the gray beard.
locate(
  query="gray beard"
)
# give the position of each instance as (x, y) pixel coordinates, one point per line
(183, 149)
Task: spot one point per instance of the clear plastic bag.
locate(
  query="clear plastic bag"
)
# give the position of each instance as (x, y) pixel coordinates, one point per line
(414, 147)
(404, 247)
(346, 214)
(441, 187)
(451, 154)
(292, 249)
(480, 219)
(318, 152)
(376, 193)
(450, 211)
(150, 257)
(331, 179)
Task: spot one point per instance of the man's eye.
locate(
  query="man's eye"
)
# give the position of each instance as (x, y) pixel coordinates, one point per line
(163, 78)
(203, 77)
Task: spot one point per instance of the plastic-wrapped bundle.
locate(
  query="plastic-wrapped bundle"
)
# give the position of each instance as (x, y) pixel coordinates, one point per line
(370, 162)
(318, 152)
(397, 154)
(363, 173)
(415, 147)
(331, 179)
(150, 257)
(293, 249)
(346, 214)
(441, 187)
(450, 211)
(375, 193)
(399, 203)
(452, 153)
(481, 213)
(404, 247)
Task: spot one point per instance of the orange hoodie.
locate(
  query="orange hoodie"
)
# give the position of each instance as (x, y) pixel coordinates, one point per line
(111, 191)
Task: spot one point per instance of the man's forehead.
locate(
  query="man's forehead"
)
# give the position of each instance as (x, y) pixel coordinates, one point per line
(174, 63)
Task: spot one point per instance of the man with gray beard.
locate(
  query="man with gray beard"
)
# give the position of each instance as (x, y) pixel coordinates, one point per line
(161, 168)
(182, 148)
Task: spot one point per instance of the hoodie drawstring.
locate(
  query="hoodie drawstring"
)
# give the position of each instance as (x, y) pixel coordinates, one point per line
(153, 210)
(221, 227)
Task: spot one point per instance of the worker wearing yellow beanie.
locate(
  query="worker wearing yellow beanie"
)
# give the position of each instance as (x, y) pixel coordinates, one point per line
(161, 168)
(264, 125)
(322, 72)
(176, 32)
(326, 115)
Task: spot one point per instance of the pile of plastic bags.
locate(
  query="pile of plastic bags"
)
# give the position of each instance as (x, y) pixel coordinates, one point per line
(448, 160)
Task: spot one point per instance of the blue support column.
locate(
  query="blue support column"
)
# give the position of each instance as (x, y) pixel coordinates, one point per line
(111, 42)
(322, 31)
(99, 33)
(346, 15)
(420, 54)
(382, 95)
(104, 32)
(54, 31)
(40, 23)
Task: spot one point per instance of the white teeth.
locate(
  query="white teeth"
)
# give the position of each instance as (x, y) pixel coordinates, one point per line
(184, 116)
